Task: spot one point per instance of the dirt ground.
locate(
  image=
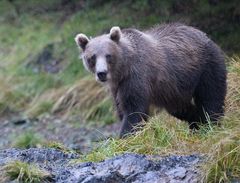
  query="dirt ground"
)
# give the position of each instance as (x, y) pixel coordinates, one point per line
(72, 132)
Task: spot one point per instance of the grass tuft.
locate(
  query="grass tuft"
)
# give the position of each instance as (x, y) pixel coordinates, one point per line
(23, 90)
(225, 160)
(58, 146)
(24, 172)
(101, 112)
(28, 140)
(88, 97)
(165, 135)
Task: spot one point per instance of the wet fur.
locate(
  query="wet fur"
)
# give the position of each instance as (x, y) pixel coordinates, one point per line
(169, 66)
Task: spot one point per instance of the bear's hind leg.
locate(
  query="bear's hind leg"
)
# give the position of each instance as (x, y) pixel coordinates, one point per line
(210, 93)
(189, 114)
(210, 102)
(210, 111)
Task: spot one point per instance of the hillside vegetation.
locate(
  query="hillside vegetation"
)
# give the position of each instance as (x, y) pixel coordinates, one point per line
(37, 40)
(40, 72)
(165, 135)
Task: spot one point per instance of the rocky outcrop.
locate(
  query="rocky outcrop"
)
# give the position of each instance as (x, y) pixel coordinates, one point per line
(127, 167)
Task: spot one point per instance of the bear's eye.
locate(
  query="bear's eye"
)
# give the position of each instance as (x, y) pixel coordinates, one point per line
(92, 61)
(109, 58)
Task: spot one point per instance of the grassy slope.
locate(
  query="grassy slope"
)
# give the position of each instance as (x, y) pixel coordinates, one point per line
(22, 90)
(165, 135)
(23, 36)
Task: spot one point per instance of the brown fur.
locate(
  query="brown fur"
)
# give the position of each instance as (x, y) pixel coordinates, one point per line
(167, 66)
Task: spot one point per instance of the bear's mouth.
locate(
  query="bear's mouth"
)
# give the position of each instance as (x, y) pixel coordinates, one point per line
(103, 80)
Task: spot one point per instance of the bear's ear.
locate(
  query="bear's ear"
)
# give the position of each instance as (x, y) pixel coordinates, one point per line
(115, 34)
(81, 40)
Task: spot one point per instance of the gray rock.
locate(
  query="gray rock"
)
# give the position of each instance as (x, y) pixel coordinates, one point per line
(125, 168)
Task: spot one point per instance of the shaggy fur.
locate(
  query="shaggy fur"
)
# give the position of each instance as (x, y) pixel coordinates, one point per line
(172, 66)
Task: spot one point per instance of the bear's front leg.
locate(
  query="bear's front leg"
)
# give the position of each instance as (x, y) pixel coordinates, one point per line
(135, 110)
(129, 123)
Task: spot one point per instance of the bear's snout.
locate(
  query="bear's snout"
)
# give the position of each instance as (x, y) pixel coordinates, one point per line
(102, 76)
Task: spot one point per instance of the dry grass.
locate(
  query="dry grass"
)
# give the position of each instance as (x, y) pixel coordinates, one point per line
(165, 135)
(44, 102)
(224, 158)
(233, 95)
(22, 90)
(10, 98)
(88, 97)
(83, 94)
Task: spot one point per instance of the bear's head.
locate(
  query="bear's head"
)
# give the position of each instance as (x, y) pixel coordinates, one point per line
(101, 55)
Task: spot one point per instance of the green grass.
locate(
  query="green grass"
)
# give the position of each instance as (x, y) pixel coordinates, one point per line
(27, 140)
(88, 97)
(24, 172)
(58, 146)
(102, 111)
(164, 135)
(24, 36)
(225, 166)
(40, 108)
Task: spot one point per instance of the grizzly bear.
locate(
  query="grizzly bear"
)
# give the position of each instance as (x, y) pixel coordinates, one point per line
(172, 66)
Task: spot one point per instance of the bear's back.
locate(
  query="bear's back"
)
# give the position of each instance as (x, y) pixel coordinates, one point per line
(174, 37)
(177, 32)
(169, 54)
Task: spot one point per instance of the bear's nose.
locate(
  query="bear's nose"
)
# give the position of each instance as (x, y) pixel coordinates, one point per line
(102, 76)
